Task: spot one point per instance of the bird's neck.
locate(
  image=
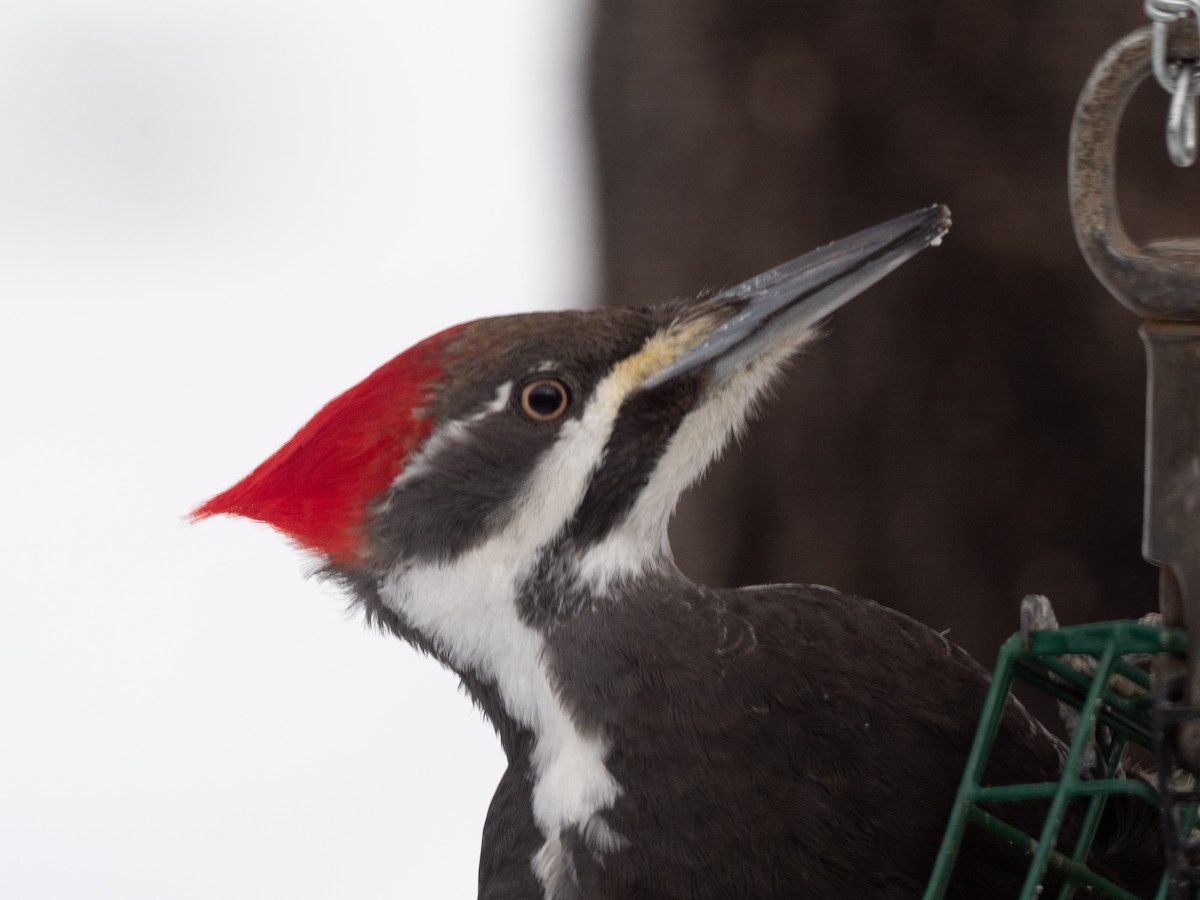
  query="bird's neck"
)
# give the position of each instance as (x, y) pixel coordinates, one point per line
(486, 612)
(478, 615)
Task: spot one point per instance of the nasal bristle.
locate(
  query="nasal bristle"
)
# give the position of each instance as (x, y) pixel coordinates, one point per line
(318, 486)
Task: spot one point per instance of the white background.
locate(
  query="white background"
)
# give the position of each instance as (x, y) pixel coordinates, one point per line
(214, 217)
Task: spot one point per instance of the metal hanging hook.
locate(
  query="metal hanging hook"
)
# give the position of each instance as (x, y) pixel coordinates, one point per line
(1155, 280)
(1177, 74)
(1181, 118)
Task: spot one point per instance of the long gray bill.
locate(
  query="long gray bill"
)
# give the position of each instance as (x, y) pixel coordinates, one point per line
(796, 295)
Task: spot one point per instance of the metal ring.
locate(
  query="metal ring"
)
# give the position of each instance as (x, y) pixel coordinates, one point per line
(1181, 118)
(1156, 281)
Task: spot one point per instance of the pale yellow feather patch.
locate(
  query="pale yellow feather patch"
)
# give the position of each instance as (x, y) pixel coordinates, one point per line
(658, 352)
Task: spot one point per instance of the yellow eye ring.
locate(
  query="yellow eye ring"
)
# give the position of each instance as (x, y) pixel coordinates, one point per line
(545, 400)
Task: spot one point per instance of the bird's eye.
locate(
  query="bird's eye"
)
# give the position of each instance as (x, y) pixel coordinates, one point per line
(545, 399)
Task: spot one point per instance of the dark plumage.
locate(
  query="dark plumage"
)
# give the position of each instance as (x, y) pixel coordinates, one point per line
(666, 740)
(781, 741)
(786, 725)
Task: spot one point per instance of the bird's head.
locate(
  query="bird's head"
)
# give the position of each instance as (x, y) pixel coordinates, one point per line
(548, 449)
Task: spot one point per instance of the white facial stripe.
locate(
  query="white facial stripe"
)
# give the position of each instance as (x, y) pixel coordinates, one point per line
(498, 402)
(468, 607)
(451, 433)
(641, 541)
(424, 459)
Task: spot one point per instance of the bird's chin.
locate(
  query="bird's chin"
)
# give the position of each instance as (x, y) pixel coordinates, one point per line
(728, 401)
(758, 366)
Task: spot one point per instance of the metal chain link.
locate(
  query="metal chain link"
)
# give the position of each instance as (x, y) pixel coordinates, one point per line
(1180, 79)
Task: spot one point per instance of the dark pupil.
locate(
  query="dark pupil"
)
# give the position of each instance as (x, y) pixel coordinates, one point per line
(544, 399)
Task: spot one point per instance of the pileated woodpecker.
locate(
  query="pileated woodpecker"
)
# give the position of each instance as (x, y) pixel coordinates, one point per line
(498, 496)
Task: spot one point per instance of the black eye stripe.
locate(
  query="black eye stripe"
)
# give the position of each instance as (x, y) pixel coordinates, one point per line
(545, 399)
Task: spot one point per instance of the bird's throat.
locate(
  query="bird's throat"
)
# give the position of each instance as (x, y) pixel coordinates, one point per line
(469, 612)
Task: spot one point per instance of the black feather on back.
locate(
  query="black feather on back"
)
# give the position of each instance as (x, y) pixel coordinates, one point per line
(792, 741)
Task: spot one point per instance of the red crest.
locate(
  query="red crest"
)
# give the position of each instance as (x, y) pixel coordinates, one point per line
(317, 486)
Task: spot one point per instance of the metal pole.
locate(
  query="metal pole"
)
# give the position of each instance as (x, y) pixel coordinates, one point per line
(1160, 281)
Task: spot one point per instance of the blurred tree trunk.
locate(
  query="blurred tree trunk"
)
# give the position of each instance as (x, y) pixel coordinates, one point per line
(971, 429)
